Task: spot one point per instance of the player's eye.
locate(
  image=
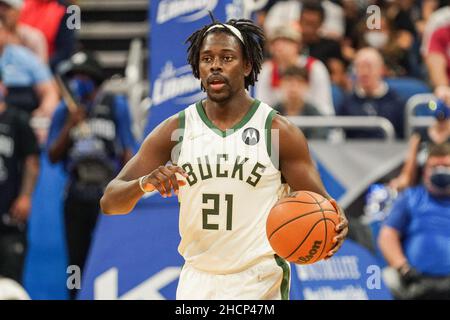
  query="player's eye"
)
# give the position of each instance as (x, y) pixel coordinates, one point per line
(228, 58)
(206, 59)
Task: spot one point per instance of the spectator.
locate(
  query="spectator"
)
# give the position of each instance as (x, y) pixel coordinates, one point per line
(19, 167)
(436, 50)
(313, 44)
(93, 141)
(50, 17)
(262, 13)
(419, 143)
(294, 87)
(29, 82)
(428, 7)
(416, 235)
(371, 96)
(288, 13)
(394, 45)
(25, 35)
(403, 14)
(284, 48)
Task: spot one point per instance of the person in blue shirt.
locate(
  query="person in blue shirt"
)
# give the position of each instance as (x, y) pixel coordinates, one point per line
(372, 96)
(93, 142)
(29, 82)
(415, 238)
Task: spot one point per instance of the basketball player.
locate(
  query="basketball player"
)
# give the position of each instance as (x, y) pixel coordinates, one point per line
(224, 172)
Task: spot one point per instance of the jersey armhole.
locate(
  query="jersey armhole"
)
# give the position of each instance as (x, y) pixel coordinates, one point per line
(180, 134)
(181, 124)
(268, 131)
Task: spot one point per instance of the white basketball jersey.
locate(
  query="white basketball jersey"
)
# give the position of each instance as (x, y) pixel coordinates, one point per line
(232, 186)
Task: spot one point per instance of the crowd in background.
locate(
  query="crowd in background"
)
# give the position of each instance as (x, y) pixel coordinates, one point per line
(89, 134)
(347, 52)
(322, 58)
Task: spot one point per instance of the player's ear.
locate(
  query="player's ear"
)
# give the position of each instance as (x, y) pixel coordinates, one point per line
(247, 68)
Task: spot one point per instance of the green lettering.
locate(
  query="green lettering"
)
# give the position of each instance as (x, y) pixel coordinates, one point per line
(208, 167)
(238, 166)
(213, 211)
(192, 178)
(225, 173)
(256, 174)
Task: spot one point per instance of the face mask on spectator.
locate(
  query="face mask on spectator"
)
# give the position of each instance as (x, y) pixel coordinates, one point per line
(82, 89)
(440, 178)
(376, 39)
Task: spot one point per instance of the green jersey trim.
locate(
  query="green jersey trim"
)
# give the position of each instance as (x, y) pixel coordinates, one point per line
(285, 282)
(268, 130)
(181, 126)
(182, 122)
(240, 124)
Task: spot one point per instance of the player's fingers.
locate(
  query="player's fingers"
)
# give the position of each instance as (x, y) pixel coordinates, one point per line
(157, 181)
(158, 186)
(341, 236)
(342, 225)
(335, 249)
(164, 180)
(170, 174)
(334, 204)
(180, 171)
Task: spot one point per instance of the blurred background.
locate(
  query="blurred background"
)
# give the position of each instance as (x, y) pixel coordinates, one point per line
(83, 82)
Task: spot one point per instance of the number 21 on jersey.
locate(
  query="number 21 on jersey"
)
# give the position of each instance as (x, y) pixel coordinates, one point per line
(215, 199)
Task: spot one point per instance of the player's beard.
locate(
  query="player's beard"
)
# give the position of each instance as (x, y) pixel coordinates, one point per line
(219, 97)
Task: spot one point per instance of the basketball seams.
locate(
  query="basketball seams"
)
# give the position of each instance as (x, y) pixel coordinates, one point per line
(299, 201)
(302, 200)
(298, 217)
(325, 224)
(308, 234)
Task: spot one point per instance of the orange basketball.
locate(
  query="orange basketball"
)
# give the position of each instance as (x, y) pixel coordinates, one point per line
(301, 227)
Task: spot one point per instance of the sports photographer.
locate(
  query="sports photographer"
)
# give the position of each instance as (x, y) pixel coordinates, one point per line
(19, 168)
(93, 139)
(416, 236)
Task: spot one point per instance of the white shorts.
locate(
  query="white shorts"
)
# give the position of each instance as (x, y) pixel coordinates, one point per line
(266, 280)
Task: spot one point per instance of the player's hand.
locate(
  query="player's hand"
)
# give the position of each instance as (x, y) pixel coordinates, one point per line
(164, 180)
(341, 229)
(20, 208)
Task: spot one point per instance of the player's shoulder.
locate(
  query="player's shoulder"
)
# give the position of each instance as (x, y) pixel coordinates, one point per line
(288, 133)
(167, 127)
(280, 122)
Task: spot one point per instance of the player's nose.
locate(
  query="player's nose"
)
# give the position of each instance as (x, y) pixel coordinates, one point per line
(216, 65)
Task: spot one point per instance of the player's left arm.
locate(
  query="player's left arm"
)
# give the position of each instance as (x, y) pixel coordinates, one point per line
(299, 170)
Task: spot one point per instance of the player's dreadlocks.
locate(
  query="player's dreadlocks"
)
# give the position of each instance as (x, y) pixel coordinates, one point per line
(252, 36)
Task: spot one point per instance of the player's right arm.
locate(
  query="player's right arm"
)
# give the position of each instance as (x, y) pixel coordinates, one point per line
(124, 191)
